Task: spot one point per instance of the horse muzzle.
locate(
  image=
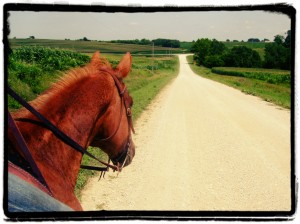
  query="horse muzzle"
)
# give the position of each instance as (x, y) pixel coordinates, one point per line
(125, 157)
(130, 153)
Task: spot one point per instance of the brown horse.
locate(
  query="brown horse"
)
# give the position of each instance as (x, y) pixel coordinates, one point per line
(86, 105)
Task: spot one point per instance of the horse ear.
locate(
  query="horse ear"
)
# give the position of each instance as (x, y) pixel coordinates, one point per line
(98, 61)
(124, 66)
(96, 57)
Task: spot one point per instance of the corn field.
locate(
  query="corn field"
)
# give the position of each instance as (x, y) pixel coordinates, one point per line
(32, 69)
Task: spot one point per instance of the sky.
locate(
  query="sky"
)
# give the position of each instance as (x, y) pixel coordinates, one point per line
(183, 26)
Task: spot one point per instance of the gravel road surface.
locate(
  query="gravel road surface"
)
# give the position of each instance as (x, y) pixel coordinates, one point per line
(202, 146)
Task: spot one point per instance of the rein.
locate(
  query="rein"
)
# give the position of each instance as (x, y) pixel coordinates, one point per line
(69, 141)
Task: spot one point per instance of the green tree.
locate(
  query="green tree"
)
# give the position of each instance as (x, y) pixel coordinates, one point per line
(278, 53)
(201, 49)
(252, 40)
(279, 39)
(208, 52)
(277, 56)
(85, 39)
(242, 56)
(287, 41)
(213, 61)
(217, 47)
(166, 43)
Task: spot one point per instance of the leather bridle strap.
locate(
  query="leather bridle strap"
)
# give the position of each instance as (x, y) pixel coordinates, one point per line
(122, 94)
(58, 133)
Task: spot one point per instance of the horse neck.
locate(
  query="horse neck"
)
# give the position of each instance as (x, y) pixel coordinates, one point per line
(74, 111)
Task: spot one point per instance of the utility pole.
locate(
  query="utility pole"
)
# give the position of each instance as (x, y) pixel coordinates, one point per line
(152, 56)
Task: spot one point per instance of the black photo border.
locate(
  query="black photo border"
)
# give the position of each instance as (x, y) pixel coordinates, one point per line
(153, 215)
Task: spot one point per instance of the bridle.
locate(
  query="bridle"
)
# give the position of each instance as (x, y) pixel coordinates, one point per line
(118, 161)
(121, 158)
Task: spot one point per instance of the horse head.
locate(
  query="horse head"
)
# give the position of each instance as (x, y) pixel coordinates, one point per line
(115, 125)
(91, 106)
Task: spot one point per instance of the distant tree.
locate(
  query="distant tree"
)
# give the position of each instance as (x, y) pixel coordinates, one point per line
(85, 39)
(166, 43)
(275, 56)
(207, 52)
(279, 39)
(227, 40)
(213, 61)
(253, 40)
(216, 47)
(144, 42)
(235, 41)
(201, 49)
(287, 41)
(278, 53)
(242, 56)
(31, 37)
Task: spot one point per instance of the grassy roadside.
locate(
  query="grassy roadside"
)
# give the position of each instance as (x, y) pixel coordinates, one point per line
(143, 85)
(279, 94)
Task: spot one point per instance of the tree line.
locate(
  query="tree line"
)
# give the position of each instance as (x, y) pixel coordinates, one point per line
(157, 42)
(213, 53)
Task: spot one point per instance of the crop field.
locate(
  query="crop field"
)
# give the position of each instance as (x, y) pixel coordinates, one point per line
(270, 75)
(32, 69)
(255, 45)
(269, 88)
(92, 46)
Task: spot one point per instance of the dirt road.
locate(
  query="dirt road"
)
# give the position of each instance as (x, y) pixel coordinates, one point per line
(202, 146)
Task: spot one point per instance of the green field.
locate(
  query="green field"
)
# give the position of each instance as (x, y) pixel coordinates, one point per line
(274, 76)
(32, 69)
(255, 45)
(279, 93)
(92, 46)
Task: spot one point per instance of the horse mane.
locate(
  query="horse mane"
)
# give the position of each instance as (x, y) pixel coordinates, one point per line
(68, 79)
